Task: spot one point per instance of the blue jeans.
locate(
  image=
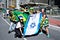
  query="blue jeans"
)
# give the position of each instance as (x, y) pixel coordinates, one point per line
(12, 26)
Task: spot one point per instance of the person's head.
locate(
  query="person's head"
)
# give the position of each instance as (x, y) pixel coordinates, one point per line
(42, 10)
(10, 13)
(31, 10)
(21, 18)
(22, 9)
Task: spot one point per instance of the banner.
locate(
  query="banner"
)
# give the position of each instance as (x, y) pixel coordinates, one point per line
(33, 24)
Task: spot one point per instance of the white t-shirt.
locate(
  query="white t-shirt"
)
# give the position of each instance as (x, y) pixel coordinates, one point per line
(18, 25)
(7, 11)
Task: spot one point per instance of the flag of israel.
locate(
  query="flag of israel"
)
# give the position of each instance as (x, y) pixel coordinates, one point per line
(33, 24)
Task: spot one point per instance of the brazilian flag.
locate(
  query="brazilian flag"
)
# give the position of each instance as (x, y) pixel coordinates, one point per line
(23, 14)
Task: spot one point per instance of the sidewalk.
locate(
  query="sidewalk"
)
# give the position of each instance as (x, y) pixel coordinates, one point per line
(54, 20)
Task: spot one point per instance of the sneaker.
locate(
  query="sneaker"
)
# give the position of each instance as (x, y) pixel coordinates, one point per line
(9, 32)
(41, 33)
(48, 36)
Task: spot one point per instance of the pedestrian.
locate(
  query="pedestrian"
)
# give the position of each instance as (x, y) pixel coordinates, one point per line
(22, 20)
(18, 29)
(7, 11)
(45, 23)
(13, 19)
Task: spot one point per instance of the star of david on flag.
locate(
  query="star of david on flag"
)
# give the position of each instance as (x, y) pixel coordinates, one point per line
(32, 25)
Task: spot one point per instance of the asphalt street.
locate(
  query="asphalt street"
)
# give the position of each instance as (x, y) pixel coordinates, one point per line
(54, 33)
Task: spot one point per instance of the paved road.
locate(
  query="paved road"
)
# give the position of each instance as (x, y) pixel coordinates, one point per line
(54, 33)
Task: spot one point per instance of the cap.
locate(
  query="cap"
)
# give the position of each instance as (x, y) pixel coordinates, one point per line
(22, 9)
(31, 8)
